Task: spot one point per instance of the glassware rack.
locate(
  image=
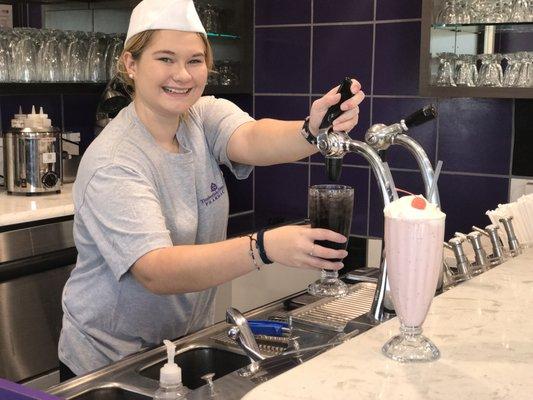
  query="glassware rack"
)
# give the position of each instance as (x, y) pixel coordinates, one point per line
(52, 61)
(477, 48)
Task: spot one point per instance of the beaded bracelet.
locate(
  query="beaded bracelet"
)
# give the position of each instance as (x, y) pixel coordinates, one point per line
(252, 240)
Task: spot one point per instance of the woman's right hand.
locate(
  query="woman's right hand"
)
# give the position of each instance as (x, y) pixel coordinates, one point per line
(294, 246)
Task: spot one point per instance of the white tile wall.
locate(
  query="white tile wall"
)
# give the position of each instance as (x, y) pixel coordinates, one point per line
(519, 187)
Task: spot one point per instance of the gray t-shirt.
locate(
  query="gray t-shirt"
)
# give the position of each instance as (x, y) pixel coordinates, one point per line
(131, 197)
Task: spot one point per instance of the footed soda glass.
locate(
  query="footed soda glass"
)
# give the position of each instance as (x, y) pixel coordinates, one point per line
(413, 246)
(330, 207)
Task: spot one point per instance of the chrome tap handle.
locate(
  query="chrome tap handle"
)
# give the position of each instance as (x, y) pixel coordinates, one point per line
(333, 162)
(498, 254)
(482, 231)
(242, 334)
(514, 245)
(481, 258)
(463, 265)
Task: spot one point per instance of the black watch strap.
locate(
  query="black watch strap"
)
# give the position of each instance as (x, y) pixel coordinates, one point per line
(306, 133)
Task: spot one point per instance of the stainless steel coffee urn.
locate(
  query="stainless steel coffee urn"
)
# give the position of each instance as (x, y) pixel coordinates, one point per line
(32, 160)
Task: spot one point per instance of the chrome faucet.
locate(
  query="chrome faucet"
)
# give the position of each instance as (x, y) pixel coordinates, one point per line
(482, 261)
(498, 255)
(462, 264)
(514, 245)
(243, 335)
(381, 137)
(334, 146)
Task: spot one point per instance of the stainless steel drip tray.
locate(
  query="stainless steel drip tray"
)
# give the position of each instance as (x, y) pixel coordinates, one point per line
(334, 313)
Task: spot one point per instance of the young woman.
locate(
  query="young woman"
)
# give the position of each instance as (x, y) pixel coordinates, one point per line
(151, 205)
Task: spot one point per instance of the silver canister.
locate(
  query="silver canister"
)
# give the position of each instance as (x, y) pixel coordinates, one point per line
(32, 160)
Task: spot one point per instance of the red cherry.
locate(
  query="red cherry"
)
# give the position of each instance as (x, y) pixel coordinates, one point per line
(418, 202)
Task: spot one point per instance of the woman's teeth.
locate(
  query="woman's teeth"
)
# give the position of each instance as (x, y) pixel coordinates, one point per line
(179, 91)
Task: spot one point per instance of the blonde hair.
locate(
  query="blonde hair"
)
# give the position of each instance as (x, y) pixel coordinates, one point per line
(136, 46)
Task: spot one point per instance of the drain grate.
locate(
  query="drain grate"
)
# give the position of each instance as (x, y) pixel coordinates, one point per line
(334, 313)
(269, 345)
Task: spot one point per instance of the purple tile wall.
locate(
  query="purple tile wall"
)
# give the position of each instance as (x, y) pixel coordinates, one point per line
(282, 60)
(272, 12)
(340, 51)
(378, 42)
(343, 10)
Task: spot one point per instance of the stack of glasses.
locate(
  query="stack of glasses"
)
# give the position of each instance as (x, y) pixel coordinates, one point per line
(47, 55)
(462, 70)
(458, 12)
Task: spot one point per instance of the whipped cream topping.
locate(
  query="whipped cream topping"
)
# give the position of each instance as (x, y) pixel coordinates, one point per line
(403, 208)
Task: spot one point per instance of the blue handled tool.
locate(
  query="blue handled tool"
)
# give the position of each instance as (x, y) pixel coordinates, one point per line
(270, 328)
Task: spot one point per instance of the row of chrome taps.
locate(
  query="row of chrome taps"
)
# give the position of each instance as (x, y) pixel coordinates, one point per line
(463, 269)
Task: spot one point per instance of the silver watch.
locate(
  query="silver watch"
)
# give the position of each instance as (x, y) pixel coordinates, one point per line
(306, 133)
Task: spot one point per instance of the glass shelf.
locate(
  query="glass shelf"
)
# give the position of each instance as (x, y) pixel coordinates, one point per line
(222, 35)
(469, 39)
(479, 28)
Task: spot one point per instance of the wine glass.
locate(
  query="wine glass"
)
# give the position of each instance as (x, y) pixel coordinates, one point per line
(330, 207)
(413, 245)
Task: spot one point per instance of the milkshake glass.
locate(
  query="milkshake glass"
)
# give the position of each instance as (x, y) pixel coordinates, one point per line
(330, 207)
(414, 232)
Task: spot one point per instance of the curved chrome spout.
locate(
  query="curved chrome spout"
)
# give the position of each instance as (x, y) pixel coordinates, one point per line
(421, 157)
(337, 144)
(242, 334)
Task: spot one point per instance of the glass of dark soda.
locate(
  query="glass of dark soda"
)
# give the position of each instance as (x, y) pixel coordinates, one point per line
(330, 207)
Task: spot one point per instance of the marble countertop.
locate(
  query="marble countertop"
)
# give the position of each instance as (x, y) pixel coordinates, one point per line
(481, 327)
(17, 209)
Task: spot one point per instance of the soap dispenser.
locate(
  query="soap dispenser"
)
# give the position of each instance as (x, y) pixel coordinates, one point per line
(170, 386)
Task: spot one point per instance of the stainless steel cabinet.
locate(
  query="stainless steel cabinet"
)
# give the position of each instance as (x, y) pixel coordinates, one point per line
(31, 284)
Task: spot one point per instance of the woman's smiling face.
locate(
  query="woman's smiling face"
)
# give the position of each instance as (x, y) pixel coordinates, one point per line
(171, 73)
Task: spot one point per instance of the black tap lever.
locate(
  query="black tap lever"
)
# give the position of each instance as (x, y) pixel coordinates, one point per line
(421, 116)
(335, 110)
(333, 164)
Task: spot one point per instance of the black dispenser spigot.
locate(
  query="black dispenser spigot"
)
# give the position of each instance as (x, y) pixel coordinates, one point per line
(333, 164)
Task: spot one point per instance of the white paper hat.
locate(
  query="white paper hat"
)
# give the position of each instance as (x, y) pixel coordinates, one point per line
(178, 15)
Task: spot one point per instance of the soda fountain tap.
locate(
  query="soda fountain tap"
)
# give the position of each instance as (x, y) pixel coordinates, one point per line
(462, 264)
(381, 137)
(333, 146)
(514, 245)
(498, 255)
(481, 262)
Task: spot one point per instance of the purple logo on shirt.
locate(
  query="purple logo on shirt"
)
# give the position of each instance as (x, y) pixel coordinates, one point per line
(216, 193)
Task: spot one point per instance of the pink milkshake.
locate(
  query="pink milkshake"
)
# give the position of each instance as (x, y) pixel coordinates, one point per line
(414, 233)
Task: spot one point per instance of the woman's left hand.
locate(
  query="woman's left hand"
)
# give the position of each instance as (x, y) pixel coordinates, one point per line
(344, 122)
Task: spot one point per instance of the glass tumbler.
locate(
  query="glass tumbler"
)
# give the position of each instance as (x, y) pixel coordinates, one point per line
(414, 261)
(445, 73)
(490, 73)
(330, 207)
(466, 71)
(510, 76)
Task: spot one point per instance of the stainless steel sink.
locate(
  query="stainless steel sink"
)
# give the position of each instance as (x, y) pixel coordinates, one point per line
(199, 361)
(209, 351)
(112, 393)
